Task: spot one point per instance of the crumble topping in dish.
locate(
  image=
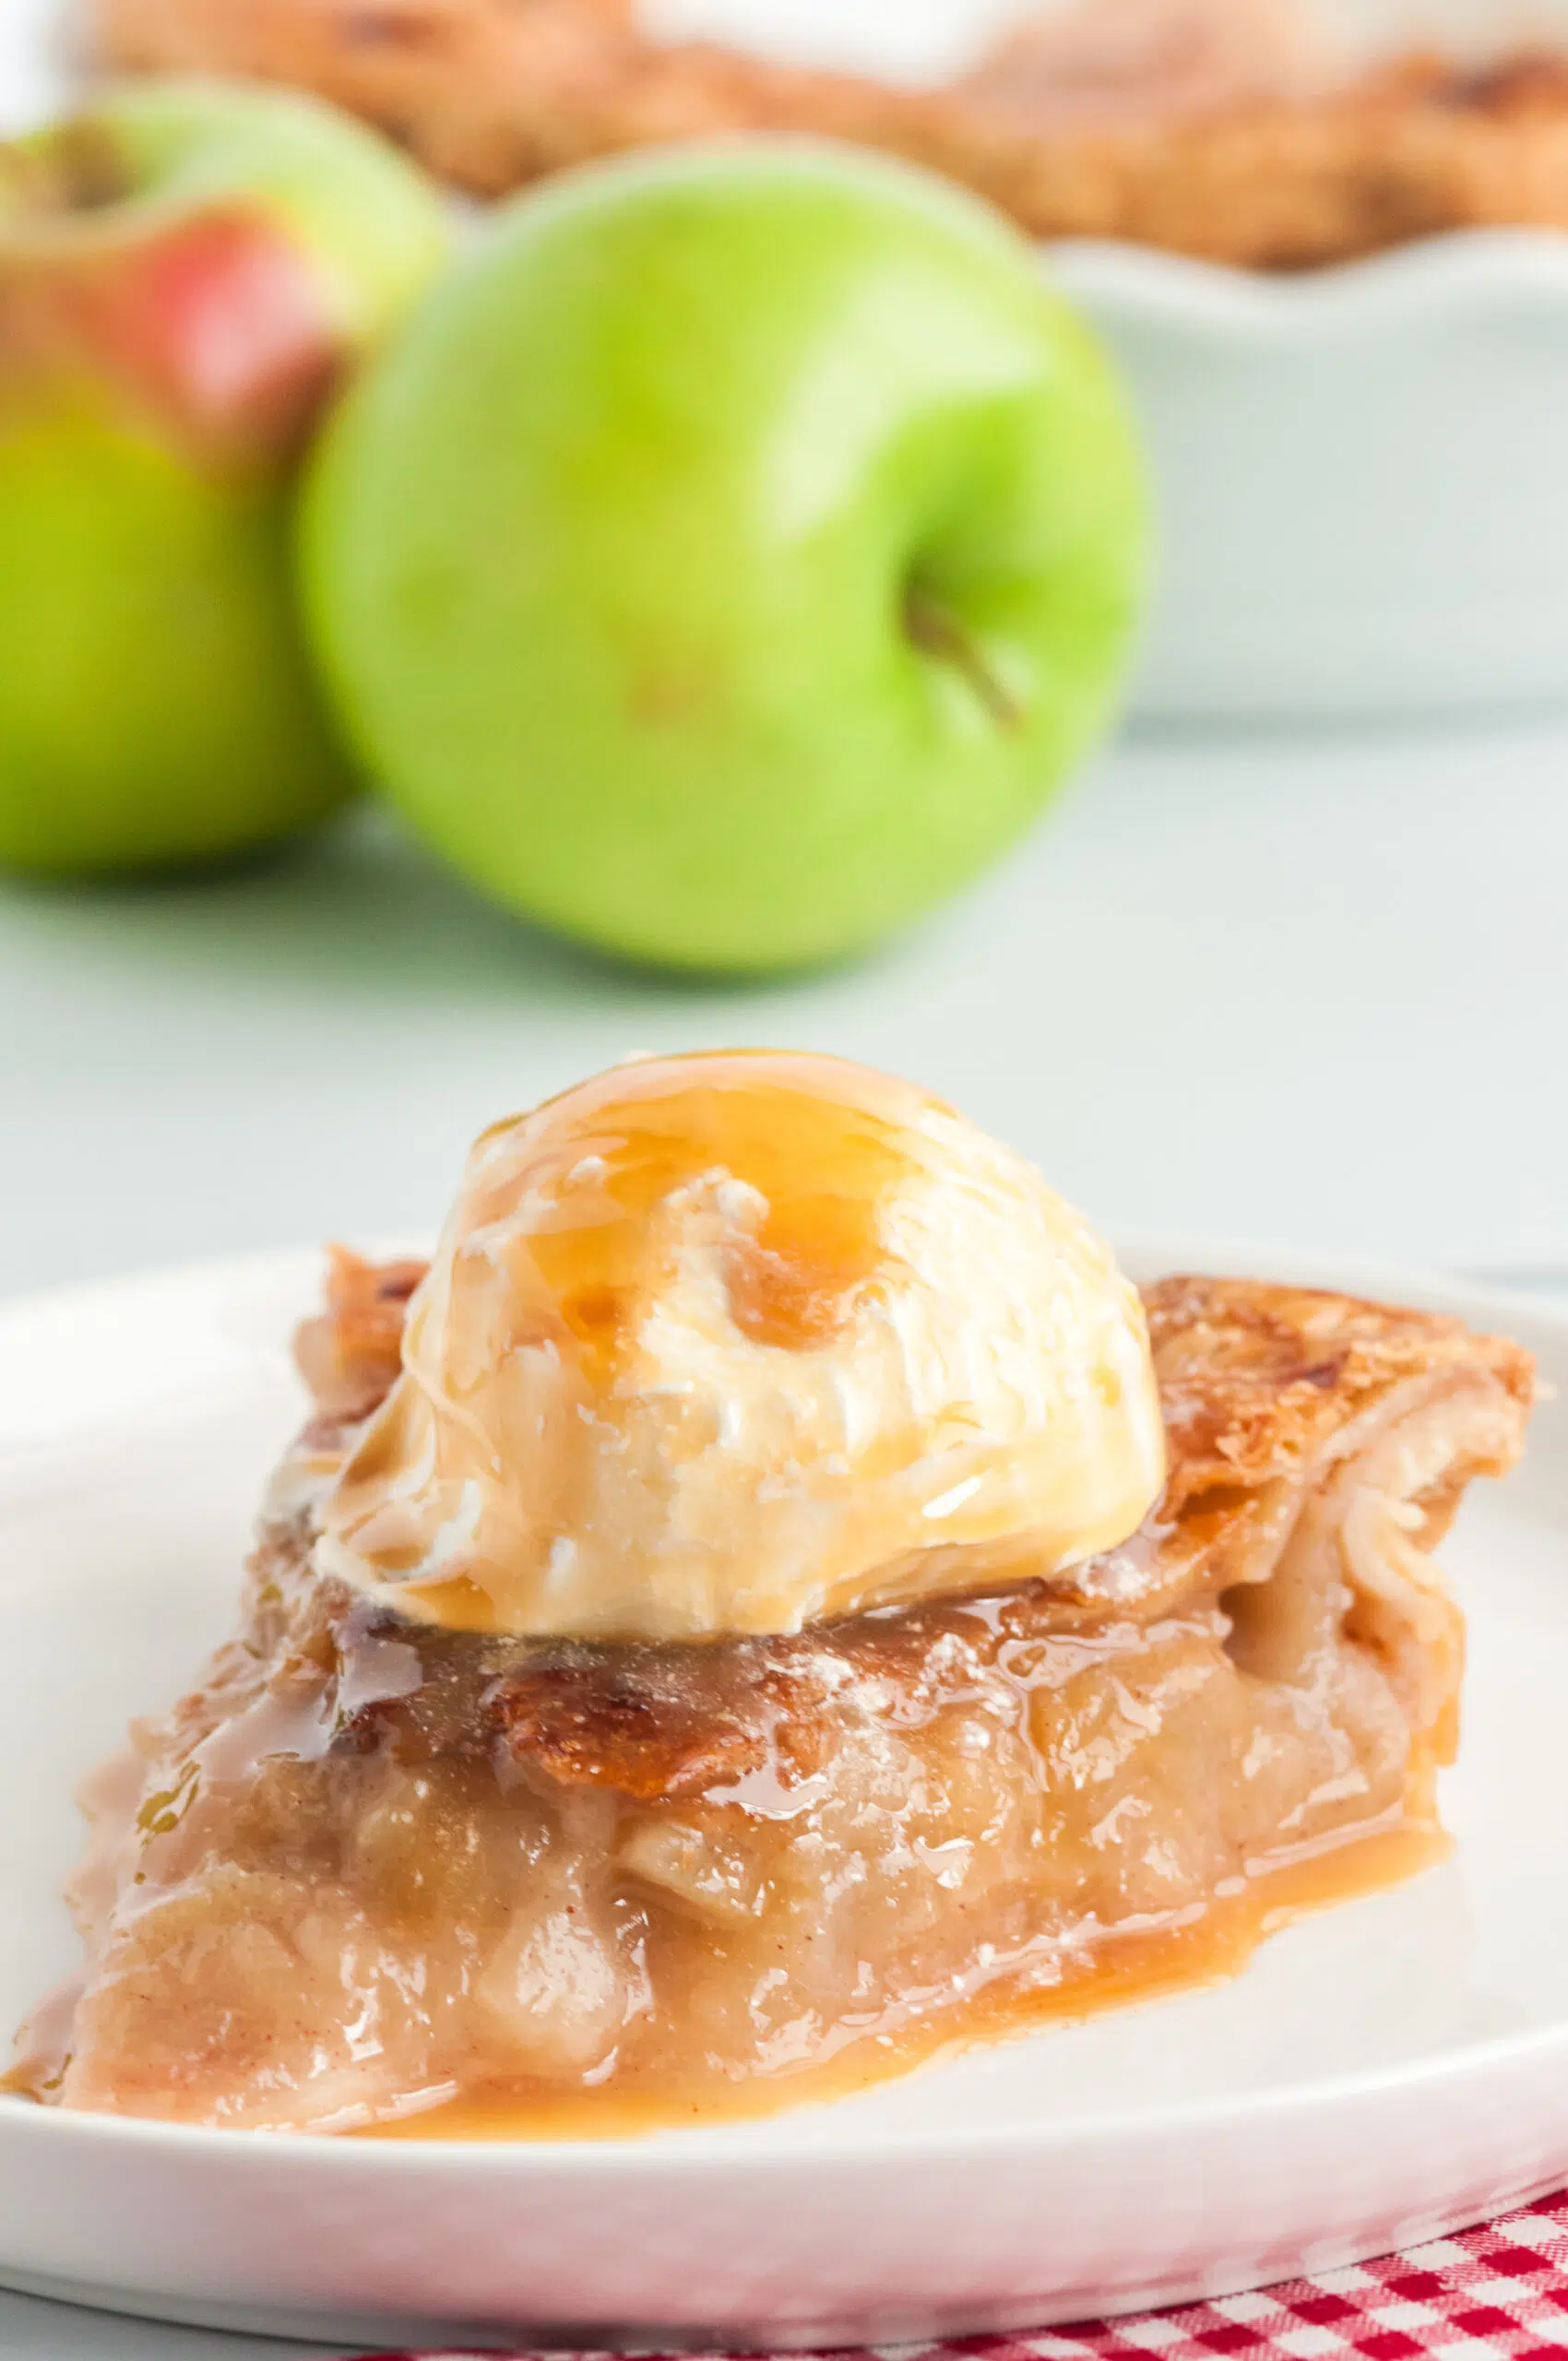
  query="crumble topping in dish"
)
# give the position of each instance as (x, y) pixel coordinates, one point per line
(1099, 62)
(378, 1868)
(1203, 127)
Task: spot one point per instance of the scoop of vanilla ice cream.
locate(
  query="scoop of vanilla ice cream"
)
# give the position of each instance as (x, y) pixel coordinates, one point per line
(728, 1343)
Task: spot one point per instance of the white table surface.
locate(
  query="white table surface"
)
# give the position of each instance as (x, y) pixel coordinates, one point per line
(1307, 992)
(39, 2331)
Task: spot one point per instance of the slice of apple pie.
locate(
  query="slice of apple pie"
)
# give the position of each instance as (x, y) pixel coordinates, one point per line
(856, 1750)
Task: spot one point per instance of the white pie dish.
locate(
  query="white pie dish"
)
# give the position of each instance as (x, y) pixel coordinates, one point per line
(1388, 2070)
(1363, 473)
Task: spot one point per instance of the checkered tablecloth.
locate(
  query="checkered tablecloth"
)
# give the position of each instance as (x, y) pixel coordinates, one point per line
(1498, 2294)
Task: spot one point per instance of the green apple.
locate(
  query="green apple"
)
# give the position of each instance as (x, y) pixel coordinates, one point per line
(187, 270)
(735, 553)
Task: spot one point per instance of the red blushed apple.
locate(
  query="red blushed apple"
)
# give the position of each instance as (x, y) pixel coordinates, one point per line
(187, 270)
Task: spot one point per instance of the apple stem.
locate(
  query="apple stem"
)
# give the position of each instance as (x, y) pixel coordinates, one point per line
(937, 632)
(75, 170)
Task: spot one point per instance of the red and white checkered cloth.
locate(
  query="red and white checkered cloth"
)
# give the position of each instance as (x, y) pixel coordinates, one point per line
(1498, 2294)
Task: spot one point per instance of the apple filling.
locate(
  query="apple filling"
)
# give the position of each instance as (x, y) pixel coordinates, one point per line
(372, 1866)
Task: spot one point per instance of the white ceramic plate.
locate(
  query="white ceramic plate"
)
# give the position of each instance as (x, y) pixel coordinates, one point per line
(1384, 2072)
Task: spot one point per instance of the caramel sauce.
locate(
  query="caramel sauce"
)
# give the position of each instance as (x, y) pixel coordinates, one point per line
(1153, 1963)
(456, 1605)
(823, 1145)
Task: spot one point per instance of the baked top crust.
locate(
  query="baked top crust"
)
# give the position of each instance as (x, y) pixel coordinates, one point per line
(1269, 1394)
(492, 93)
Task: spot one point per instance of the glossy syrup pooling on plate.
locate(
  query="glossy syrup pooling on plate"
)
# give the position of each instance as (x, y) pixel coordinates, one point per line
(723, 1342)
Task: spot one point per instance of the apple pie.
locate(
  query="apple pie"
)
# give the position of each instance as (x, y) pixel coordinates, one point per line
(1220, 128)
(768, 1602)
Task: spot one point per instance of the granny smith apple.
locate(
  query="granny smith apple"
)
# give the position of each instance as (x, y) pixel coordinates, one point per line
(187, 270)
(733, 554)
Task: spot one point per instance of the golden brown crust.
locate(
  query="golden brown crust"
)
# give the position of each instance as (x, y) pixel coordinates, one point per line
(348, 1356)
(1257, 1380)
(656, 1733)
(494, 92)
(1266, 1391)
